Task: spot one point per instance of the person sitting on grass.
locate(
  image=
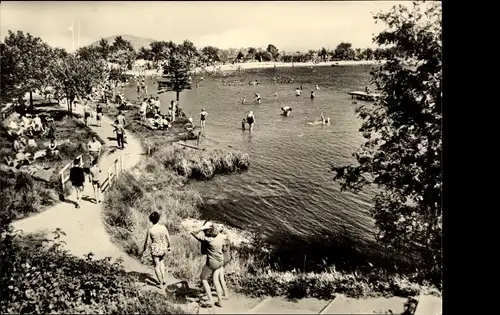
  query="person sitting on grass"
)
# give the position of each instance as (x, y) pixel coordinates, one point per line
(53, 151)
(212, 243)
(160, 245)
(18, 145)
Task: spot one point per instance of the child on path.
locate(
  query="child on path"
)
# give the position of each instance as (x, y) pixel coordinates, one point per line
(95, 180)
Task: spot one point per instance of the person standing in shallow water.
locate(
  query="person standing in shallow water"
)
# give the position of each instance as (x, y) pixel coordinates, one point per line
(203, 117)
(250, 120)
(159, 238)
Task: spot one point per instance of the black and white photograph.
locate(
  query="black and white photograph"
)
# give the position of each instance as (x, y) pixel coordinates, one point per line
(221, 157)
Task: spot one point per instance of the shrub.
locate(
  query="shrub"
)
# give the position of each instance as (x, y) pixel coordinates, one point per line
(39, 277)
(202, 164)
(21, 195)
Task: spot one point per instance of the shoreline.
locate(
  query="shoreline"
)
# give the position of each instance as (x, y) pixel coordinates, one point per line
(261, 65)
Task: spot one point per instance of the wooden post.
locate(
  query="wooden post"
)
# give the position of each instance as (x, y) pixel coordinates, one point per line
(121, 163)
(62, 180)
(116, 168)
(109, 178)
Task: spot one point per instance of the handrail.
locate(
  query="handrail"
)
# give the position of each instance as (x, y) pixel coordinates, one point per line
(114, 170)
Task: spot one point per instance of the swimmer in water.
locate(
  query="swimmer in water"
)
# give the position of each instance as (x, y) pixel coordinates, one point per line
(286, 110)
(313, 95)
(243, 122)
(317, 87)
(250, 120)
(243, 101)
(324, 120)
(257, 98)
(297, 92)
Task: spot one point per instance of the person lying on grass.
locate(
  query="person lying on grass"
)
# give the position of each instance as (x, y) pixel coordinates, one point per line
(160, 245)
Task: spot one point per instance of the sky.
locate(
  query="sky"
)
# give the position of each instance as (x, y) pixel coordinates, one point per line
(292, 26)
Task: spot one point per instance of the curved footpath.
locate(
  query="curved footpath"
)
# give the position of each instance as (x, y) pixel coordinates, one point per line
(85, 233)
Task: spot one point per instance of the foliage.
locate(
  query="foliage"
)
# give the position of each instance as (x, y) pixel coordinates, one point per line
(271, 49)
(175, 74)
(104, 49)
(324, 285)
(344, 51)
(402, 154)
(240, 56)
(263, 56)
(24, 64)
(323, 53)
(203, 164)
(122, 52)
(38, 276)
(75, 77)
(210, 54)
(117, 75)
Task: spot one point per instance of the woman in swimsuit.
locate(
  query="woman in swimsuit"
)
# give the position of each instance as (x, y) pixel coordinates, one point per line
(160, 245)
(250, 120)
(212, 243)
(203, 117)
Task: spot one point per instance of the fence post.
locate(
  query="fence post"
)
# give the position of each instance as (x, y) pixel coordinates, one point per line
(116, 168)
(62, 181)
(121, 163)
(109, 179)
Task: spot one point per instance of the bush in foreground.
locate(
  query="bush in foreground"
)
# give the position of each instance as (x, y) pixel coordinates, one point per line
(39, 277)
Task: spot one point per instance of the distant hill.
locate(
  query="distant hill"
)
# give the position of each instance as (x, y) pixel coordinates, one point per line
(136, 41)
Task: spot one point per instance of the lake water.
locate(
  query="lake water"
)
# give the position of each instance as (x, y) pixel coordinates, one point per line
(288, 189)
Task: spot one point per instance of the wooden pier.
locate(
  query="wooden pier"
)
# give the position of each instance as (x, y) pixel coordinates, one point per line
(364, 96)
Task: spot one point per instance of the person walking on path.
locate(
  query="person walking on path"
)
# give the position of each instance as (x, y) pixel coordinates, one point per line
(77, 178)
(211, 244)
(95, 148)
(160, 245)
(95, 180)
(120, 133)
(203, 117)
(121, 119)
(86, 114)
(98, 116)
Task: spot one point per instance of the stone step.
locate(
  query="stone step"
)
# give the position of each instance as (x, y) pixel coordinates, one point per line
(280, 305)
(344, 305)
(429, 305)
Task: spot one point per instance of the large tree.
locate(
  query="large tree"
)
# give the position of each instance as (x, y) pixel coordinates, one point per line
(210, 55)
(122, 52)
(176, 72)
(24, 65)
(273, 51)
(104, 48)
(402, 153)
(74, 77)
(344, 51)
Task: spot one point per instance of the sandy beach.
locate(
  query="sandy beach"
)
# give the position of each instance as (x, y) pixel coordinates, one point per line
(262, 65)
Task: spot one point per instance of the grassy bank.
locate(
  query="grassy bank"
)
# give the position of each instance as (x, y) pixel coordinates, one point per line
(257, 268)
(156, 185)
(21, 190)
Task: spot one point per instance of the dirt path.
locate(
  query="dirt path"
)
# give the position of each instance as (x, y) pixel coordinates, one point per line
(85, 231)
